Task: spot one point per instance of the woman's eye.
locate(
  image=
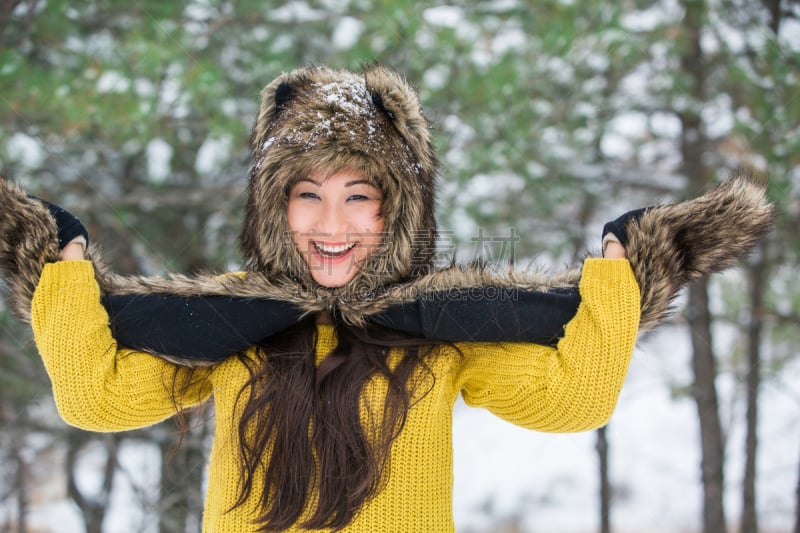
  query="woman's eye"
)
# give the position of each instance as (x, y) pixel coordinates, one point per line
(358, 197)
(308, 195)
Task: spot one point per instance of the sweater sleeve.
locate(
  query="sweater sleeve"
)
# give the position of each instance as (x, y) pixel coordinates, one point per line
(574, 386)
(97, 385)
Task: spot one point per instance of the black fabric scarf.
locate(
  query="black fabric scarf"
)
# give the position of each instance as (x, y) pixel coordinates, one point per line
(210, 329)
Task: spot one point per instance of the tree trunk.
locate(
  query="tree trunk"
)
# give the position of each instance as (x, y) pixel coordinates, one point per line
(693, 149)
(182, 465)
(757, 279)
(705, 395)
(172, 504)
(774, 9)
(605, 485)
(21, 479)
(93, 509)
(797, 503)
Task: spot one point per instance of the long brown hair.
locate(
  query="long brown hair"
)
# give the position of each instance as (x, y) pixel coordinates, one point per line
(301, 424)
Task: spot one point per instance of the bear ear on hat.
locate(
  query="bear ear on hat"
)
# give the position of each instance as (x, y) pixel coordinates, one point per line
(284, 93)
(377, 99)
(274, 98)
(392, 95)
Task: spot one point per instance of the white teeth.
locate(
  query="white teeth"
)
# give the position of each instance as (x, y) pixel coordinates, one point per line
(329, 249)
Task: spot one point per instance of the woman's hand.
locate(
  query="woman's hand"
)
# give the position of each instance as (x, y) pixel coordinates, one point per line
(73, 238)
(614, 250)
(615, 234)
(73, 251)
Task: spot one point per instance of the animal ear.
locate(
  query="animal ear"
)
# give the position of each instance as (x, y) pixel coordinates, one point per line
(283, 95)
(377, 99)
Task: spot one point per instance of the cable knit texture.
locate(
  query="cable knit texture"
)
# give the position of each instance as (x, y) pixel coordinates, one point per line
(101, 387)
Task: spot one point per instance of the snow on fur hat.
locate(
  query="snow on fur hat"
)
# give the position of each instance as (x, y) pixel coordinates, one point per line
(316, 120)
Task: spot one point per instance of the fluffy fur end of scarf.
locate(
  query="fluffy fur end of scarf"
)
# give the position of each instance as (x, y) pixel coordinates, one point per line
(673, 245)
(28, 240)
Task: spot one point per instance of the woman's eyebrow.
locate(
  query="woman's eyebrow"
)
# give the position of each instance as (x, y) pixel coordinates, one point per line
(359, 182)
(309, 180)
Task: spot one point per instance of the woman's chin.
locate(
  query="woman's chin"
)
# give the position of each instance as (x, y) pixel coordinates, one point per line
(332, 281)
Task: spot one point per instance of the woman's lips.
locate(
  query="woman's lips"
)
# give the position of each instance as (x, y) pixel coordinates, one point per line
(333, 253)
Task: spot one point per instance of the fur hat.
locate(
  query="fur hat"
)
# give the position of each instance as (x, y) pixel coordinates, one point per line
(316, 120)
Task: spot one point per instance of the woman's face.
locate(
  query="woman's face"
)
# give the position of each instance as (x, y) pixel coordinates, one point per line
(335, 224)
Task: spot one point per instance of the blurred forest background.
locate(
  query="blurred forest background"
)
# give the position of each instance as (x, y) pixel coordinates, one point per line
(552, 116)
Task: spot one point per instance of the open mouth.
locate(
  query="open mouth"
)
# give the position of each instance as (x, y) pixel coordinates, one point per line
(333, 251)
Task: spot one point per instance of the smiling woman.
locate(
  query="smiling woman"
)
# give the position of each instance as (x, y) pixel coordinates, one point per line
(336, 223)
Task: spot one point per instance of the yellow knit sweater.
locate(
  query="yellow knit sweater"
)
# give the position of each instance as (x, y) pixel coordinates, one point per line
(99, 386)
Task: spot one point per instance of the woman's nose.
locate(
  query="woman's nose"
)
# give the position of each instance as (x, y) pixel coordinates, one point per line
(331, 220)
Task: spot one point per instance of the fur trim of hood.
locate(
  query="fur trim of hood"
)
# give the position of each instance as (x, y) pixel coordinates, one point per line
(316, 121)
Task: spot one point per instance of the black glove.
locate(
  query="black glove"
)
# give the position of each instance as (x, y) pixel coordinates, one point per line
(199, 328)
(69, 226)
(619, 227)
(485, 314)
